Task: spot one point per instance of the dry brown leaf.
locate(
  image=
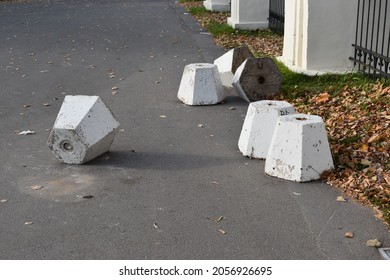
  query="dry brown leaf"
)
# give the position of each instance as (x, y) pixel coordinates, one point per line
(321, 98)
(349, 234)
(222, 231)
(36, 187)
(340, 199)
(3, 200)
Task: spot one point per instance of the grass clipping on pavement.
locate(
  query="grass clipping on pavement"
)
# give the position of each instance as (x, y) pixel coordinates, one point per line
(355, 109)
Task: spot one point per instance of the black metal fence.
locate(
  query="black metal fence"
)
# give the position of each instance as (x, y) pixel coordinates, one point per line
(276, 15)
(372, 42)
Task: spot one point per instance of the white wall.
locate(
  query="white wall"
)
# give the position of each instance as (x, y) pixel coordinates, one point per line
(319, 35)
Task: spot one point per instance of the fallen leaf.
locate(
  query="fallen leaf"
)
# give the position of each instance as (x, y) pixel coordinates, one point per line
(163, 116)
(115, 88)
(222, 231)
(321, 98)
(363, 148)
(373, 243)
(340, 199)
(215, 183)
(155, 225)
(26, 132)
(36, 187)
(88, 196)
(295, 193)
(200, 125)
(46, 104)
(232, 108)
(27, 106)
(349, 234)
(216, 219)
(28, 223)
(365, 162)
(3, 200)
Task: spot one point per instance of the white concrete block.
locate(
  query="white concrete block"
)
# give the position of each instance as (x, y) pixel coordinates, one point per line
(84, 129)
(259, 125)
(217, 5)
(299, 149)
(201, 85)
(257, 79)
(229, 62)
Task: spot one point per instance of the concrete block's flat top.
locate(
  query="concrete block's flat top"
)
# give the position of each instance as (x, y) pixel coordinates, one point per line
(200, 66)
(270, 104)
(301, 119)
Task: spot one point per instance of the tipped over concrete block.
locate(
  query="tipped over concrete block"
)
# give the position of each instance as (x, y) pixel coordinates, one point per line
(84, 129)
(257, 79)
(299, 149)
(259, 126)
(229, 62)
(201, 85)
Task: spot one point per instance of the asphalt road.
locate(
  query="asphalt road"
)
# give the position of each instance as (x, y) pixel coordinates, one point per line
(159, 191)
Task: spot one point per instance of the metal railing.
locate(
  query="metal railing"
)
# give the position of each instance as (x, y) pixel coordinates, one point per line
(276, 15)
(372, 42)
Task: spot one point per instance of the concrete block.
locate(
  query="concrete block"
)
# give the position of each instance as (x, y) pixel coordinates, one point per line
(84, 129)
(201, 85)
(229, 62)
(217, 5)
(299, 149)
(259, 125)
(257, 79)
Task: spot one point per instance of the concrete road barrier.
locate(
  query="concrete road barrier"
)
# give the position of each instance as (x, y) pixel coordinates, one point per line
(229, 62)
(299, 149)
(201, 85)
(259, 126)
(257, 79)
(84, 129)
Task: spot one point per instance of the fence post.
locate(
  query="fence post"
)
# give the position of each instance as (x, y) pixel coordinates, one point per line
(217, 5)
(249, 14)
(318, 35)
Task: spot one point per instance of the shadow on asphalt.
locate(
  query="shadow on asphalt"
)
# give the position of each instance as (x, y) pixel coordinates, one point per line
(157, 160)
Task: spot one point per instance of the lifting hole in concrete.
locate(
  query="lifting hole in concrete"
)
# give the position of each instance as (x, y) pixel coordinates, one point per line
(261, 80)
(271, 104)
(66, 146)
(301, 119)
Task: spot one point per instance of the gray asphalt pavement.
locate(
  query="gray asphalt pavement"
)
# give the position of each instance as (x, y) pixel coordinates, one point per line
(156, 193)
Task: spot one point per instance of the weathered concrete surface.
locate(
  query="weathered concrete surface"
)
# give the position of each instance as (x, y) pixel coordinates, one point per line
(167, 171)
(257, 79)
(230, 61)
(201, 85)
(259, 126)
(299, 149)
(84, 129)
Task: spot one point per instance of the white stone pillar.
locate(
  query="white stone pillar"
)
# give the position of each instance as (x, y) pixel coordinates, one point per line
(249, 14)
(318, 35)
(217, 5)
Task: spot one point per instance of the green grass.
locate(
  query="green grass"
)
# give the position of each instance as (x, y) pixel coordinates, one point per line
(197, 11)
(217, 28)
(296, 84)
(184, 1)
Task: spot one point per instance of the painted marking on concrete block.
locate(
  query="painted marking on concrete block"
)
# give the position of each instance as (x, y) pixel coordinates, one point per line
(201, 85)
(84, 129)
(229, 62)
(257, 79)
(299, 149)
(259, 125)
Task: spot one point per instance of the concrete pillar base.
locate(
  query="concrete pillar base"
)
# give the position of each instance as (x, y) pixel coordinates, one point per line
(217, 5)
(247, 25)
